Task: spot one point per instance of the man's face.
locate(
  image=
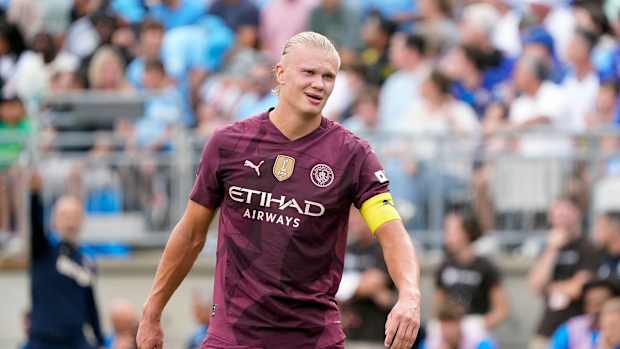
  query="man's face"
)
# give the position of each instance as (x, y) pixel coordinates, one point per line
(153, 79)
(564, 215)
(455, 237)
(594, 300)
(397, 50)
(306, 77)
(577, 51)
(610, 323)
(151, 41)
(602, 231)
(68, 215)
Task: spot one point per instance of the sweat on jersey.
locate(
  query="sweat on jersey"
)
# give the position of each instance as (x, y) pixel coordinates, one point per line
(284, 207)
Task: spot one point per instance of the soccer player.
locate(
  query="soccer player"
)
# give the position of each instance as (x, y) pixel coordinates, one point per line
(284, 182)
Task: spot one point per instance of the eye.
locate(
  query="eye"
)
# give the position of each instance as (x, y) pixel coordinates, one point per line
(307, 72)
(328, 77)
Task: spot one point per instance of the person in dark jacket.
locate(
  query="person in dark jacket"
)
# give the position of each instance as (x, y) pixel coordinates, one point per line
(62, 279)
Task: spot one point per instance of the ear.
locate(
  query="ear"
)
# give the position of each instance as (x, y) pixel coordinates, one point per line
(279, 72)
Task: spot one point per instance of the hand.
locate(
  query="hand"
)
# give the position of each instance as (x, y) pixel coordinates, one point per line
(557, 239)
(150, 335)
(403, 323)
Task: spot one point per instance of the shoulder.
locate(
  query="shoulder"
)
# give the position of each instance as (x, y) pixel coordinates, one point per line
(237, 129)
(349, 141)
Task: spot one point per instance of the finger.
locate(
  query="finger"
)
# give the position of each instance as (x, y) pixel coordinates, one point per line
(400, 339)
(390, 331)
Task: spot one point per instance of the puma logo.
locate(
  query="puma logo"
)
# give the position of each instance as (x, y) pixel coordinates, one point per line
(256, 168)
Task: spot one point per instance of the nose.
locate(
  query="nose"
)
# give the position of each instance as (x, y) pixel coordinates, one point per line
(318, 83)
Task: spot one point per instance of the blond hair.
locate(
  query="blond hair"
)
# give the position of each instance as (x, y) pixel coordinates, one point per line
(309, 39)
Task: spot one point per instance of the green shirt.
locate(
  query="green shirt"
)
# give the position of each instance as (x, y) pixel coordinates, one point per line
(12, 141)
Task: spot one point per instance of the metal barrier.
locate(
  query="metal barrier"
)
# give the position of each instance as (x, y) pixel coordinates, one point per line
(137, 196)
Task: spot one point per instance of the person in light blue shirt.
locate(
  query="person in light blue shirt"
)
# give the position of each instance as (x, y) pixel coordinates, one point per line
(178, 13)
(162, 109)
(193, 51)
(260, 97)
(201, 307)
(151, 38)
(132, 11)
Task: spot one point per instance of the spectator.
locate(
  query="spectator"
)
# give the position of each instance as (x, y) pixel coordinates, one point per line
(149, 48)
(89, 33)
(537, 42)
(540, 103)
(162, 109)
(470, 280)
(556, 18)
(605, 111)
(365, 119)
(583, 331)
(350, 83)
(106, 71)
(259, 97)
(581, 84)
(566, 264)
(505, 37)
(376, 34)
(437, 25)
(610, 322)
(437, 112)
(191, 53)
(607, 235)
(15, 126)
(274, 32)
(62, 279)
(201, 308)
(454, 332)
(339, 22)
(11, 47)
(408, 55)
(178, 13)
(239, 15)
(366, 292)
(209, 120)
(124, 320)
(100, 180)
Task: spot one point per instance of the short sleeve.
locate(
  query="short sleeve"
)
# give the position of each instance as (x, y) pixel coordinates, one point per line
(208, 189)
(371, 178)
(438, 279)
(492, 275)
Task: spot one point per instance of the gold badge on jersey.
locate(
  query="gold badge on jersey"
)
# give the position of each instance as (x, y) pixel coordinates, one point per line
(283, 167)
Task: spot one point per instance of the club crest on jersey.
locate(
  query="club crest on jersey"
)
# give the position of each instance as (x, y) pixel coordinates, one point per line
(322, 175)
(283, 167)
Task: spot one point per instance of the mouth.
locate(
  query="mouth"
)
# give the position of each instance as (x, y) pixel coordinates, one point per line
(314, 99)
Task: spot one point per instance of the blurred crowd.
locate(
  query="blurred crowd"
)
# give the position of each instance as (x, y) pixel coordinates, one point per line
(453, 79)
(457, 76)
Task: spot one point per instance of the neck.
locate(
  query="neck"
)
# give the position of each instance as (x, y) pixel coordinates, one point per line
(291, 123)
(465, 255)
(614, 247)
(582, 70)
(472, 79)
(413, 65)
(533, 90)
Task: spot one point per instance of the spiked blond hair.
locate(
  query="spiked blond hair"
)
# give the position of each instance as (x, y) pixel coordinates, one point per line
(308, 39)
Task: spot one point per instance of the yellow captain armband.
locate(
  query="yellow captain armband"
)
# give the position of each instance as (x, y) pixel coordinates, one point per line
(378, 210)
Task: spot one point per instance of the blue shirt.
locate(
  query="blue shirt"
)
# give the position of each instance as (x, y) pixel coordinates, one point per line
(187, 13)
(131, 10)
(198, 337)
(202, 46)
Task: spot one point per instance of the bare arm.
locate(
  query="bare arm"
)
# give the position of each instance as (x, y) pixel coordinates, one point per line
(542, 271)
(400, 257)
(184, 245)
(499, 307)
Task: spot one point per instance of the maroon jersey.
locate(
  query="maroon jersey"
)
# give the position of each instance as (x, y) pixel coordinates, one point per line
(284, 208)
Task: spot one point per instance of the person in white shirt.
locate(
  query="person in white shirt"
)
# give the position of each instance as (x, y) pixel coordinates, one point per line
(408, 55)
(541, 105)
(582, 84)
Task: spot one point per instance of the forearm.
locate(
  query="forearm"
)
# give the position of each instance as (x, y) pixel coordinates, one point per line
(540, 276)
(178, 258)
(499, 308)
(400, 258)
(38, 240)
